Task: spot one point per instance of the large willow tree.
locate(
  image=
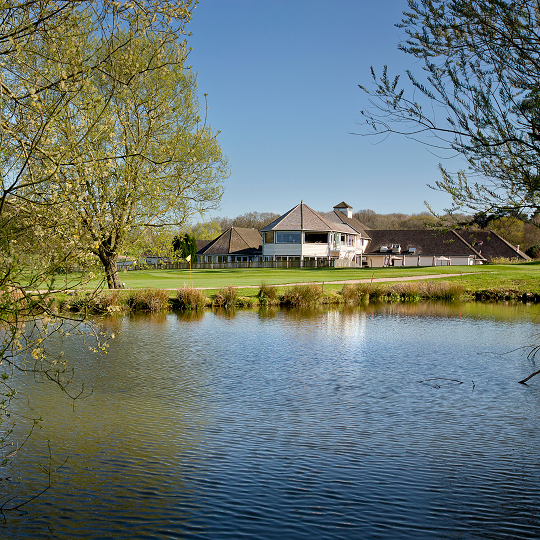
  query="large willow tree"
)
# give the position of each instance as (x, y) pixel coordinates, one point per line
(478, 96)
(131, 151)
(59, 63)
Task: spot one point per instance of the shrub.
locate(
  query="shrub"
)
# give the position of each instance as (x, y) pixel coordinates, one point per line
(407, 292)
(267, 293)
(504, 260)
(79, 302)
(356, 292)
(302, 295)
(109, 301)
(226, 297)
(441, 290)
(375, 293)
(245, 301)
(350, 292)
(190, 298)
(148, 300)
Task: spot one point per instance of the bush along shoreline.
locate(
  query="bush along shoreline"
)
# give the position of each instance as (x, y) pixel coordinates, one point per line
(311, 294)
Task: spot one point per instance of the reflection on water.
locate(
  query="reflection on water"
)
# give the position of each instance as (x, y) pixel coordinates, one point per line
(295, 424)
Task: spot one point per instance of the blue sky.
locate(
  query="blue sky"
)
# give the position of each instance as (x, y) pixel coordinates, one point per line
(282, 82)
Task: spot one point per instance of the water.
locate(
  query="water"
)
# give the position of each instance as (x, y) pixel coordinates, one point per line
(294, 424)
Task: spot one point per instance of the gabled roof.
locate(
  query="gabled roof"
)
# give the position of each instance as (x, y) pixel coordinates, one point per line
(343, 204)
(304, 218)
(340, 217)
(491, 245)
(234, 241)
(426, 242)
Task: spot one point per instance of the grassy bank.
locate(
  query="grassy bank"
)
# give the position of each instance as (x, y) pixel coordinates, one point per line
(307, 294)
(154, 290)
(523, 277)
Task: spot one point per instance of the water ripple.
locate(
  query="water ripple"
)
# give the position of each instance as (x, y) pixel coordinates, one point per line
(300, 425)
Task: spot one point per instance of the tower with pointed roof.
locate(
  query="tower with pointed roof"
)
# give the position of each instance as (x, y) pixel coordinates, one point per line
(305, 236)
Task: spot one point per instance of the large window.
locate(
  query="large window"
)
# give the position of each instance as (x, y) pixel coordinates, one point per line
(288, 237)
(316, 238)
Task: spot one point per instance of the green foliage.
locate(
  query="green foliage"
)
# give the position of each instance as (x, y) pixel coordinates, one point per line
(479, 98)
(121, 180)
(302, 295)
(185, 246)
(267, 293)
(206, 230)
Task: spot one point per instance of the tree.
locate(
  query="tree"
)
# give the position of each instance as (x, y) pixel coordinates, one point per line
(480, 98)
(185, 245)
(249, 220)
(206, 230)
(47, 67)
(373, 220)
(139, 155)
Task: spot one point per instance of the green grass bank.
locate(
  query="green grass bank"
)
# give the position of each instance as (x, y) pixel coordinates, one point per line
(153, 290)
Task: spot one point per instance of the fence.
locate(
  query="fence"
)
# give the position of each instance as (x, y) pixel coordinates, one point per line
(308, 263)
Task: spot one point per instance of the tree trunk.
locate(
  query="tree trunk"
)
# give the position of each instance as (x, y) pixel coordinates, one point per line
(108, 259)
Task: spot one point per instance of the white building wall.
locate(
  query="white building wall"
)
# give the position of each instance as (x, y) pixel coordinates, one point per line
(377, 261)
(315, 250)
(282, 250)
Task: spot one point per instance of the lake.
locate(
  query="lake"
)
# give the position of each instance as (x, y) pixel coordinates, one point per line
(397, 421)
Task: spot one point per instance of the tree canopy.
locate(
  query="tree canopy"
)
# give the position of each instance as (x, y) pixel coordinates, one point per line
(124, 149)
(77, 96)
(141, 155)
(479, 97)
(185, 246)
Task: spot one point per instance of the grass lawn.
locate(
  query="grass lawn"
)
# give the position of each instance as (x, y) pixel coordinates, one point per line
(521, 276)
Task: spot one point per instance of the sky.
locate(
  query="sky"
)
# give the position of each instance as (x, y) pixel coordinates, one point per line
(282, 81)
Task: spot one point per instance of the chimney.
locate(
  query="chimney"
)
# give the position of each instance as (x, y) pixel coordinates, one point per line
(344, 208)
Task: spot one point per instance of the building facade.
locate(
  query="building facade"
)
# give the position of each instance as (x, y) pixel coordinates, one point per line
(306, 237)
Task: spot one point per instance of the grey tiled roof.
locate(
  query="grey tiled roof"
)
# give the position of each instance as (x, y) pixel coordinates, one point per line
(304, 218)
(234, 241)
(426, 242)
(340, 217)
(492, 245)
(201, 244)
(483, 244)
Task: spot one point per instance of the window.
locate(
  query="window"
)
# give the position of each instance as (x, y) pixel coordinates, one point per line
(316, 238)
(269, 237)
(350, 240)
(288, 237)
